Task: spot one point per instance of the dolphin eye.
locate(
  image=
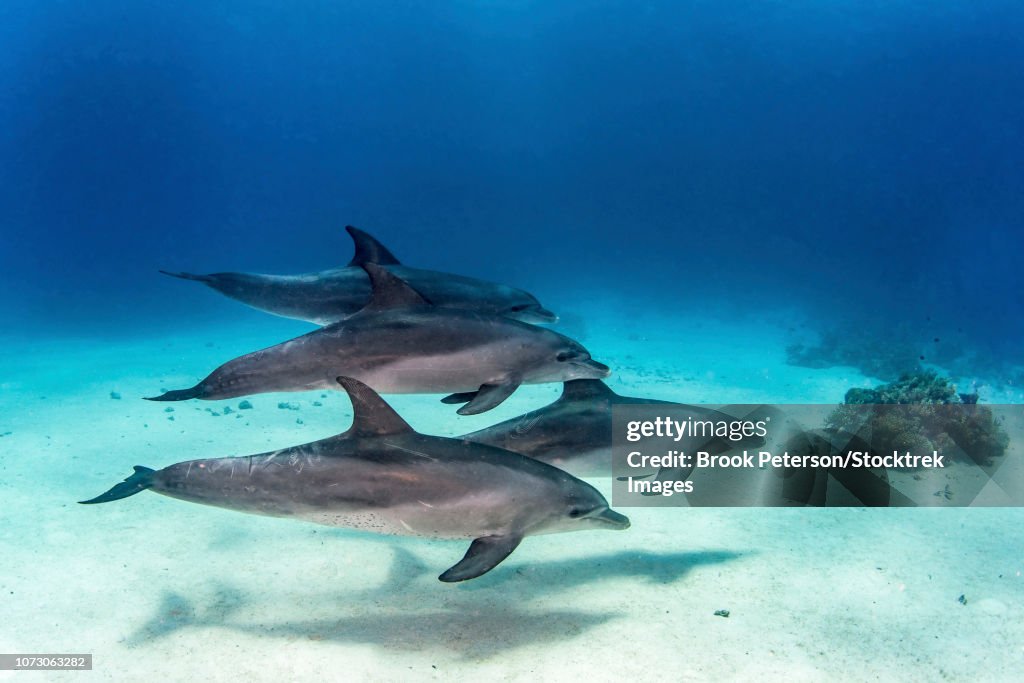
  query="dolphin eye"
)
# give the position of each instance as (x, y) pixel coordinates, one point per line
(575, 512)
(566, 355)
(521, 307)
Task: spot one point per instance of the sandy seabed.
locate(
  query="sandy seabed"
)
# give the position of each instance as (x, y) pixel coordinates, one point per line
(153, 585)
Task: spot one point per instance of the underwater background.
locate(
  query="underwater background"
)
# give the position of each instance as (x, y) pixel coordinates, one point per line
(727, 202)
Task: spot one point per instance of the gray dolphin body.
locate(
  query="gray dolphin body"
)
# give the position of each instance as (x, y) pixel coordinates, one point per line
(575, 432)
(328, 296)
(400, 343)
(382, 476)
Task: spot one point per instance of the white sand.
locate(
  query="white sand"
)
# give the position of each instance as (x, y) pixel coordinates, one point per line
(151, 585)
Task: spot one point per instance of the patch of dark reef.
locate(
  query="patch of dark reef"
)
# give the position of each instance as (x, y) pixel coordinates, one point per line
(890, 352)
(884, 358)
(935, 417)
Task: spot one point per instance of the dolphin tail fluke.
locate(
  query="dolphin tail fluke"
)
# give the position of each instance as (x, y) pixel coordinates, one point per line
(484, 554)
(179, 394)
(188, 276)
(140, 480)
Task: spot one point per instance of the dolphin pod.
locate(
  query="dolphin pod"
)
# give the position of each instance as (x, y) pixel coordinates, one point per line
(332, 295)
(383, 476)
(402, 343)
(388, 328)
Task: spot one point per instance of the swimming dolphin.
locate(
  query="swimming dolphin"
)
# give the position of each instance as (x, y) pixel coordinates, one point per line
(384, 477)
(332, 295)
(400, 343)
(575, 432)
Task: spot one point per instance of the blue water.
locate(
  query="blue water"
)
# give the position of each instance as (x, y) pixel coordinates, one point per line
(843, 157)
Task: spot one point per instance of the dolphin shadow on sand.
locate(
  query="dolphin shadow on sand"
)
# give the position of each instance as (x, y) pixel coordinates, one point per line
(466, 632)
(536, 579)
(473, 622)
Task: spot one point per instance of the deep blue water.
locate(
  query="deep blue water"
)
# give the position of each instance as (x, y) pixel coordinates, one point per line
(856, 160)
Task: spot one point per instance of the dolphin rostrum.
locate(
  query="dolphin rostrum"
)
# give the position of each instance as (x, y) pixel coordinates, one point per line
(331, 295)
(575, 432)
(401, 343)
(382, 476)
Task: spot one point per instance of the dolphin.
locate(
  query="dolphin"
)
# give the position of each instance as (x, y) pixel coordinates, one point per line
(382, 476)
(401, 343)
(575, 432)
(328, 296)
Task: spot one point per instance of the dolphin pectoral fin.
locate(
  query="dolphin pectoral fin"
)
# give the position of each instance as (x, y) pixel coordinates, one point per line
(483, 555)
(642, 476)
(369, 249)
(488, 396)
(455, 399)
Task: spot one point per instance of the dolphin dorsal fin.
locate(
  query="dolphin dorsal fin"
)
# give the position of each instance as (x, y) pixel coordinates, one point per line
(369, 250)
(584, 389)
(388, 291)
(371, 416)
